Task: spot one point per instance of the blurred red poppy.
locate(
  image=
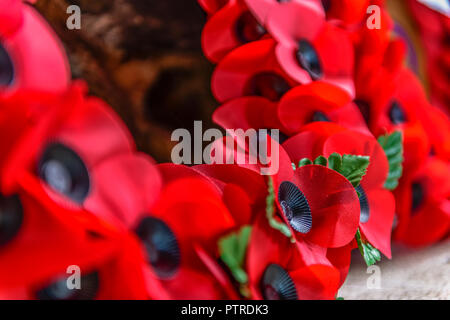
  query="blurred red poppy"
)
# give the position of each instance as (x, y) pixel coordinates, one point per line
(314, 49)
(31, 56)
(189, 213)
(423, 209)
(230, 27)
(251, 70)
(79, 148)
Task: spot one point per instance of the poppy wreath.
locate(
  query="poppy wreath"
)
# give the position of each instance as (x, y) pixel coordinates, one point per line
(361, 152)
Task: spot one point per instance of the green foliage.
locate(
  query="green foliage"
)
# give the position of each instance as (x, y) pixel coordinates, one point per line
(352, 167)
(392, 145)
(370, 254)
(270, 209)
(233, 248)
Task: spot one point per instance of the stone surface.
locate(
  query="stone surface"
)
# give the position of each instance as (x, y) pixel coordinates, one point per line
(412, 274)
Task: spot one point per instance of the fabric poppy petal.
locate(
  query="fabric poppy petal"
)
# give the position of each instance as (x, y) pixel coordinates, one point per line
(250, 70)
(333, 203)
(125, 202)
(221, 34)
(378, 228)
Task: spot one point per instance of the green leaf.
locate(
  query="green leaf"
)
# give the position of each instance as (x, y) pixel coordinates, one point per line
(335, 161)
(354, 168)
(350, 166)
(370, 254)
(340, 298)
(232, 250)
(304, 162)
(321, 161)
(392, 145)
(270, 209)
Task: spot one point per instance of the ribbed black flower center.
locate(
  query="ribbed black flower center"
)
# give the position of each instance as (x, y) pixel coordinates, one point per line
(62, 290)
(65, 172)
(396, 113)
(364, 204)
(248, 29)
(295, 207)
(162, 248)
(6, 67)
(308, 59)
(11, 218)
(276, 284)
(268, 85)
(418, 196)
(326, 4)
(319, 116)
(364, 108)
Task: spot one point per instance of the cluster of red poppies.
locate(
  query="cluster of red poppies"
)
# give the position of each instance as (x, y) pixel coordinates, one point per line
(78, 199)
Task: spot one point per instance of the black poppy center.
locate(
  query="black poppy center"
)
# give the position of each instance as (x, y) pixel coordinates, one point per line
(268, 85)
(319, 116)
(277, 284)
(295, 207)
(326, 4)
(63, 289)
(161, 245)
(65, 172)
(364, 108)
(364, 204)
(11, 218)
(418, 196)
(248, 29)
(308, 59)
(396, 113)
(6, 67)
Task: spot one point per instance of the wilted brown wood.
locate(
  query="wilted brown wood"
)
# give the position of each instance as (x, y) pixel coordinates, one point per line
(144, 58)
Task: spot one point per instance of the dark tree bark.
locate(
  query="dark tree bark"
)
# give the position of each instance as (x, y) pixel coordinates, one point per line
(144, 58)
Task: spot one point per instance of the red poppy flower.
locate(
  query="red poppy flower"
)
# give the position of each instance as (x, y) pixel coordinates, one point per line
(277, 270)
(251, 70)
(35, 230)
(399, 107)
(79, 148)
(423, 208)
(229, 28)
(123, 266)
(31, 55)
(313, 50)
(319, 101)
(315, 216)
(437, 126)
(377, 204)
(189, 213)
